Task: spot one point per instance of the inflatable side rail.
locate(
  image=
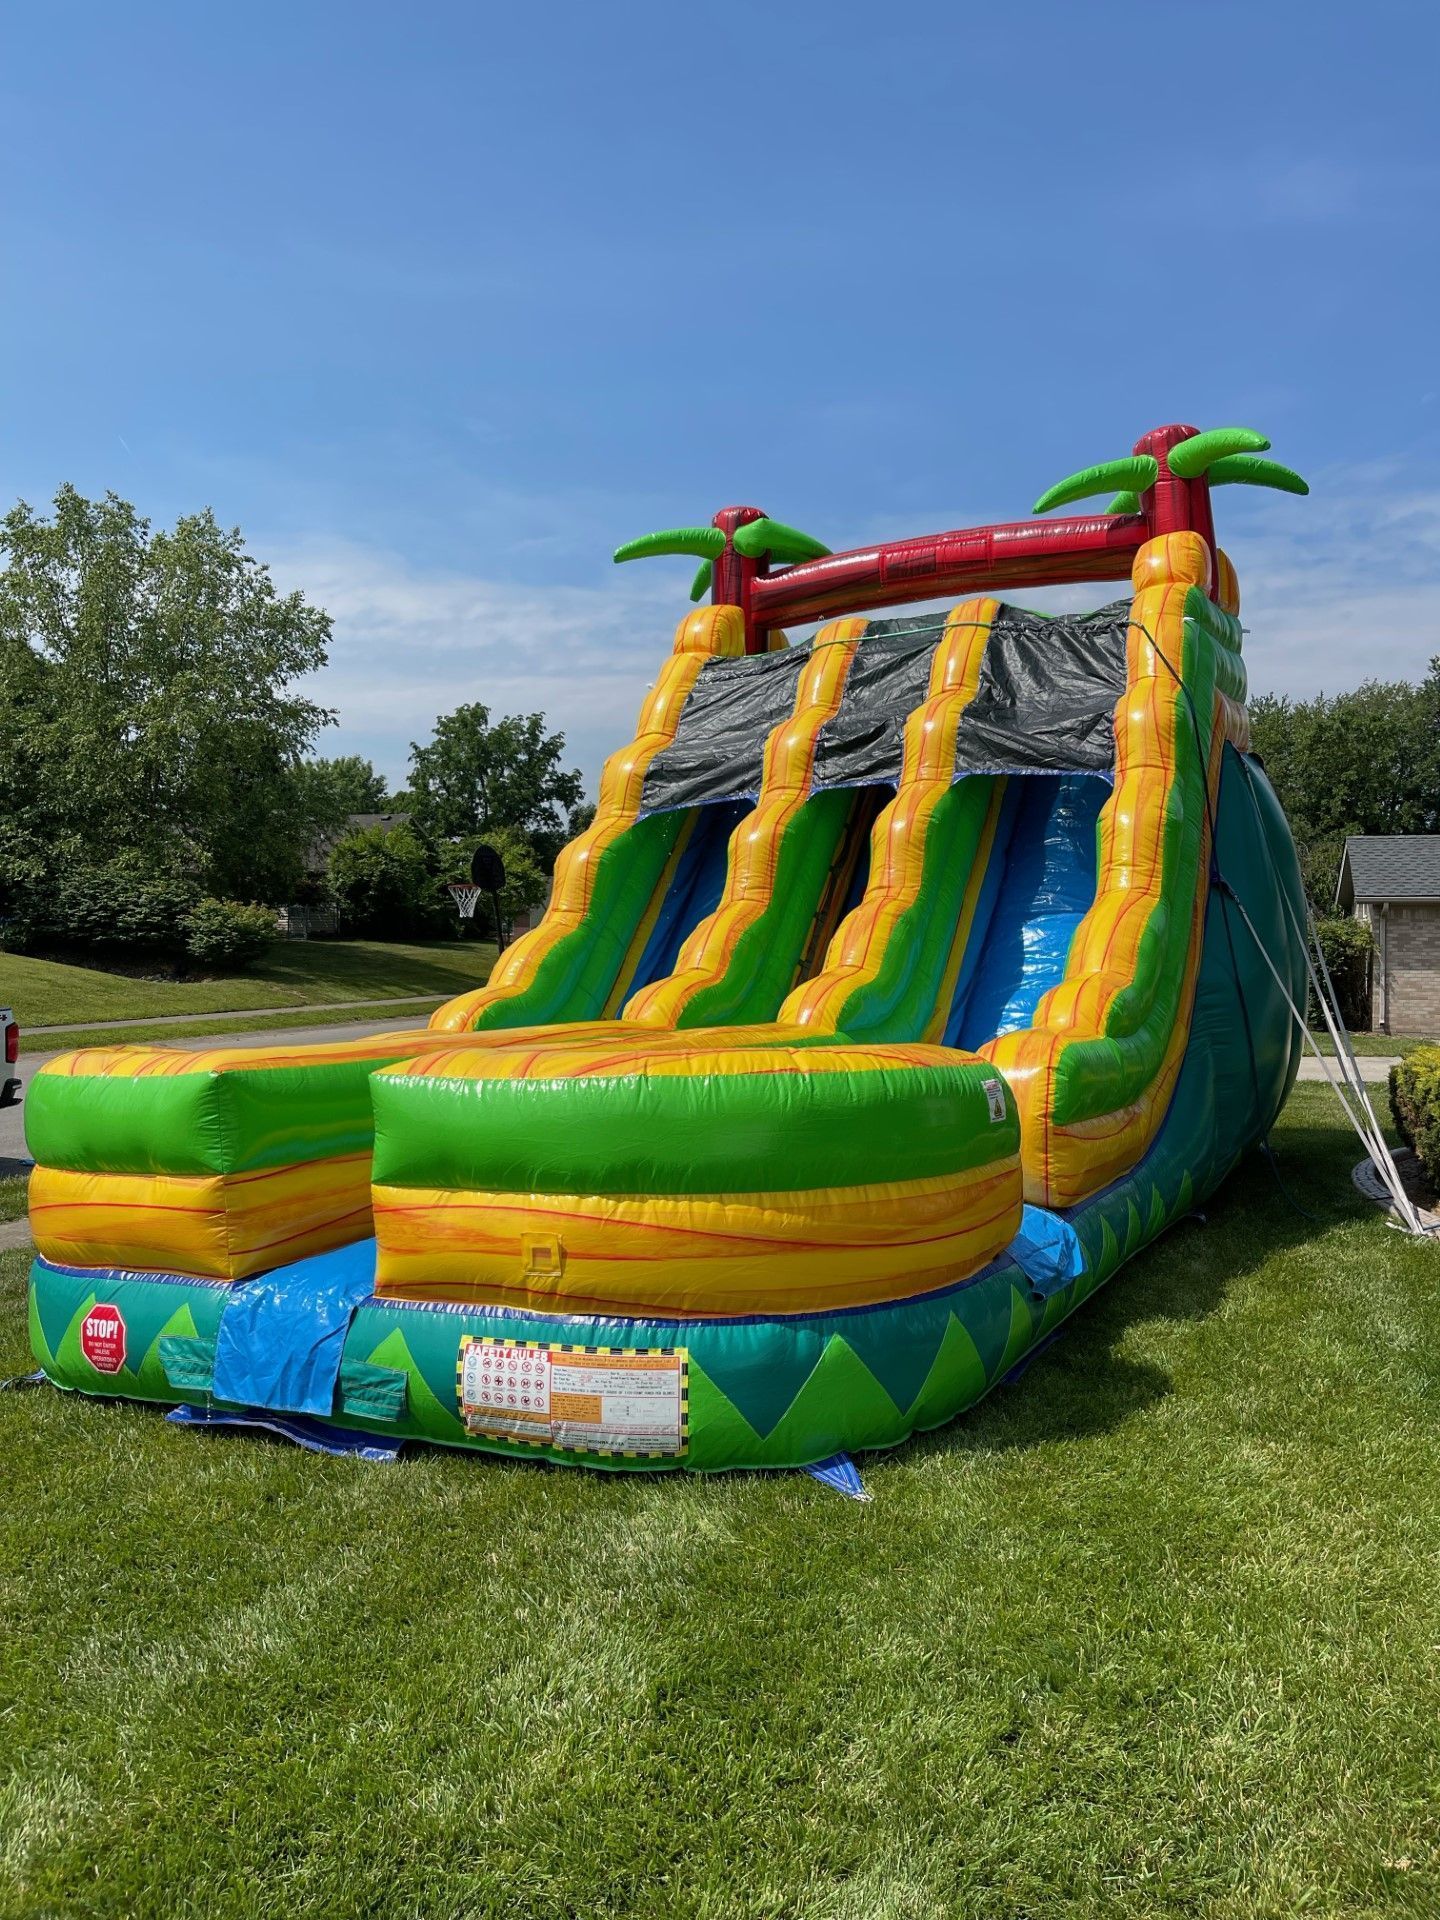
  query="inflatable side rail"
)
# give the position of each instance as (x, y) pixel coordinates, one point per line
(738, 1171)
(873, 974)
(965, 561)
(1094, 1073)
(740, 961)
(1162, 487)
(220, 1162)
(610, 880)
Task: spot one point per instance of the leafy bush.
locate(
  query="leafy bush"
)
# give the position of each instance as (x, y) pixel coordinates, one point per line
(223, 934)
(382, 884)
(119, 907)
(1415, 1103)
(122, 910)
(1347, 946)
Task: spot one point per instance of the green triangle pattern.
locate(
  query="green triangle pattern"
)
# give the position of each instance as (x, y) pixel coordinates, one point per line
(761, 1395)
(151, 1373)
(1134, 1228)
(840, 1385)
(429, 1414)
(52, 1294)
(989, 1319)
(1186, 1197)
(1109, 1251)
(956, 1379)
(728, 1438)
(1158, 1217)
(39, 1345)
(1022, 1332)
(897, 1358)
(70, 1362)
(1058, 1305)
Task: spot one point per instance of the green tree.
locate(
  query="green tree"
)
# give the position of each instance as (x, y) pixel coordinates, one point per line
(149, 681)
(331, 790)
(1361, 762)
(477, 776)
(525, 881)
(383, 883)
(353, 781)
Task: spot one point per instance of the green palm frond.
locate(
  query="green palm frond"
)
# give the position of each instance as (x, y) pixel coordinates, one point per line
(1239, 469)
(700, 585)
(786, 544)
(1197, 455)
(1124, 503)
(1134, 474)
(706, 543)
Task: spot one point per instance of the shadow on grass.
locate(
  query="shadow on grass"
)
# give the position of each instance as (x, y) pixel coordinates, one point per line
(1082, 1384)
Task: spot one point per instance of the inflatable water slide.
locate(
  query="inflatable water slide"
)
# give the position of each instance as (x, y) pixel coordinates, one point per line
(910, 979)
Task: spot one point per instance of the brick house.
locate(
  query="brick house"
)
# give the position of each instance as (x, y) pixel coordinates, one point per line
(1392, 882)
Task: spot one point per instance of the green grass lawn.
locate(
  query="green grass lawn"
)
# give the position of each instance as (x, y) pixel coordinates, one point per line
(1376, 1043)
(1155, 1631)
(294, 973)
(414, 1012)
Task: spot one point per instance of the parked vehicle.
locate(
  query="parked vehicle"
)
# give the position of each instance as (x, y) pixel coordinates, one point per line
(10, 1091)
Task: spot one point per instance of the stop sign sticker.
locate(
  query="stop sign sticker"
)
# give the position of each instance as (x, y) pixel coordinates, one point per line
(102, 1338)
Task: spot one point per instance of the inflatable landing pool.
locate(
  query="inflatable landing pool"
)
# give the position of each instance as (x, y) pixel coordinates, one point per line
(908, 980)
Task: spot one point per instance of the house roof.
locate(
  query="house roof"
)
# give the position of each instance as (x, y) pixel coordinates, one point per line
(362, 822)
(1389, 866)
(318, 856)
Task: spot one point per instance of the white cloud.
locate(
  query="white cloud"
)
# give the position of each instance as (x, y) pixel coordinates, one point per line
(410, 644)
(1339, 587)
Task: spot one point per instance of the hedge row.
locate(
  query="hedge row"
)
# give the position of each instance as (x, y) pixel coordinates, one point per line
(122, 910)
(1415, 1103)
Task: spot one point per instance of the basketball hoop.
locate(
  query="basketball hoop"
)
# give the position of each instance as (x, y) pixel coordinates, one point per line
(464, 896)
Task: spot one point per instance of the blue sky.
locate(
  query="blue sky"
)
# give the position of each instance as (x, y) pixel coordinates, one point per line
(439, 304)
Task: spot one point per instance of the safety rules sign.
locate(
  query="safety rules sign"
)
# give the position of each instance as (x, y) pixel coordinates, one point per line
(632, 1401)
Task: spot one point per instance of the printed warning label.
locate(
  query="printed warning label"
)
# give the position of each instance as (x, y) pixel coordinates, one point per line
(584, 1399)
(994, 1100)
(102, 1338)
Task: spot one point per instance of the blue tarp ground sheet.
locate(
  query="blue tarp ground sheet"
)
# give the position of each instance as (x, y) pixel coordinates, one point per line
(280, 1337)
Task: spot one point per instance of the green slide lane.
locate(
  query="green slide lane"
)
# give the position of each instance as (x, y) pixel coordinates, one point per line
(763, 963)
(574, 979)
(899, 1000)
(1107, 1073)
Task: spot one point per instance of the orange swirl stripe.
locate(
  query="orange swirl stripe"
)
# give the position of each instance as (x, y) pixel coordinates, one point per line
(897, 839)
(787, 767)
(1132, 904)
(218, 1227)
(794, 1252)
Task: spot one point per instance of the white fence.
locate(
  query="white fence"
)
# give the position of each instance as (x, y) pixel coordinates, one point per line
(298, 923)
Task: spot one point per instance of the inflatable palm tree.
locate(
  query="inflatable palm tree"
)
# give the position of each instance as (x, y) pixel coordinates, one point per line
(1225, 456)
(756, 538)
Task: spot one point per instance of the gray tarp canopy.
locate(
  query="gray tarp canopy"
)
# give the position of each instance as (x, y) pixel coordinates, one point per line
(1045, 703)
